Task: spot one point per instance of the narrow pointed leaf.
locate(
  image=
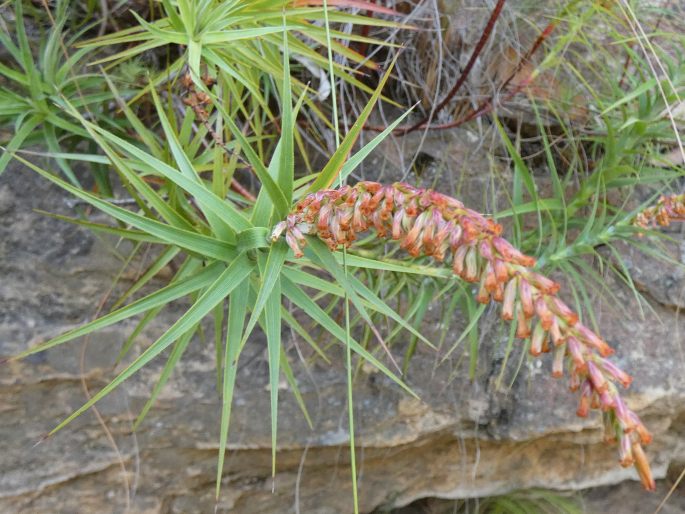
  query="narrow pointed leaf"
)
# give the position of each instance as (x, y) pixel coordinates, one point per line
(232, 276)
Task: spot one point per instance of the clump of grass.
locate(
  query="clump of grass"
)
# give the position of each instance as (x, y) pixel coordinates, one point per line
(430, 223)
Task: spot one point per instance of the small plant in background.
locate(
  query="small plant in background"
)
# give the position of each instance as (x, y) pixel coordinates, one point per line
(32, 90)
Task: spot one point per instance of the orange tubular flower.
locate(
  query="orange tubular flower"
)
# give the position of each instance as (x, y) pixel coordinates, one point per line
(429, 223)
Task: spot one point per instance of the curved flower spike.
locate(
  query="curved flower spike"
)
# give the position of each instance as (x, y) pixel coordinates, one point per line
(425, 222)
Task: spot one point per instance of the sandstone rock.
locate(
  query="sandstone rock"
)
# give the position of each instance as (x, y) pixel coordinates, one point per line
(463, 439)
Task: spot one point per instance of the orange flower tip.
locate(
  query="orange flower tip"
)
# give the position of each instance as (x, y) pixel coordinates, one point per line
(523, 333)
(606, 351)
(626, 462)
(642, 467)
(557, 374)
(507, 316)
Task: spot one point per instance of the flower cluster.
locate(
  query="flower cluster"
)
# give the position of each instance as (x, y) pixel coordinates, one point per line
(429, 223)
(667, 209)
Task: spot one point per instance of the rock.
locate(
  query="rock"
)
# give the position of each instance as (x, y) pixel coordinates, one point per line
(463, 439)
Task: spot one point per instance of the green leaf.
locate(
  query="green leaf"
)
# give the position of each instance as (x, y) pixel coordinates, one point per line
(354, 161)
(290, 377)
(176, 354)
(269, 279)
(15, 143)
(333, 167)
(237, 312)
(272, 329)
(161, 297)
(191, 241)
(309, 307)
(356, 290)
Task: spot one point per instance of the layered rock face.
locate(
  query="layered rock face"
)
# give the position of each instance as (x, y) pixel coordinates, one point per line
(504, 431)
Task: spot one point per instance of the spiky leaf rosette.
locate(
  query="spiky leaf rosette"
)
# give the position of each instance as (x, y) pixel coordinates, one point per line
(429, 223)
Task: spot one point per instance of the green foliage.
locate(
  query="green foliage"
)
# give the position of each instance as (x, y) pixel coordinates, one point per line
(603, 161)
(223, 249)
(179, 166)
(34, 86)
(240, 42)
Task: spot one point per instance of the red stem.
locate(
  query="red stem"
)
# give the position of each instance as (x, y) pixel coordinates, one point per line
(467, 70)
(488, 104)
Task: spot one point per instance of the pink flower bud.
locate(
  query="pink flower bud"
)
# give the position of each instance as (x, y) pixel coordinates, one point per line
(396, 224)
(471, 270)
(501, 271)
(485, 249)
(324, 216)
(615, 372)
(511, 254)
(596, 377)
(623, 415)
(526, 297)
(625, 451)
(292, 243)
(574, 382)
(643, 433)
(498, 293)
(509, 301)
(522, 324)
(576, 352)
(606, 400)
(585, 398)
(413, 234)
(555, 332)
(483, 295)
(592, 339)
(543, 283)
(277, 231)
(490, 278)
(562, 310)
(558, 362)
(537, 340)
(543, 312)
(458, 260)
(455, 237)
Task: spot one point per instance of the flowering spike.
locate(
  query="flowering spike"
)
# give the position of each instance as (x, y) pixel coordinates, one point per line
(428, 223)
